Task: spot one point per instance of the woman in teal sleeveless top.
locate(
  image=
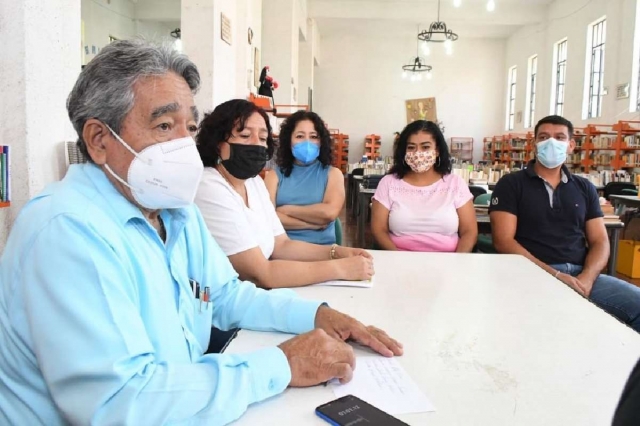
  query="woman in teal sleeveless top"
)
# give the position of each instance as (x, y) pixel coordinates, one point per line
(307, 191)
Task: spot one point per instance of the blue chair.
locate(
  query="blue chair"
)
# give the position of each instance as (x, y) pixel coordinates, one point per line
(482, 200)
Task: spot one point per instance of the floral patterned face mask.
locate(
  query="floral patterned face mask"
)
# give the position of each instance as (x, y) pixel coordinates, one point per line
(420, 161)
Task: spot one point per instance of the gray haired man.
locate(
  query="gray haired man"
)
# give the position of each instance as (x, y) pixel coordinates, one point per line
(110, 281)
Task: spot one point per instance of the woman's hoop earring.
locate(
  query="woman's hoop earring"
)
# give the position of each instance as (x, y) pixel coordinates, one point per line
(438, 162)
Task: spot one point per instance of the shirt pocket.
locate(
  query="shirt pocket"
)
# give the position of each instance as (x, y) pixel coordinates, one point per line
(202, 314)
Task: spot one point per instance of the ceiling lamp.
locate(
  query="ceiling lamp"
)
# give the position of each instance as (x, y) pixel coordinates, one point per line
(416, 67)
(457, 3)
(438, 33)
(491, 5)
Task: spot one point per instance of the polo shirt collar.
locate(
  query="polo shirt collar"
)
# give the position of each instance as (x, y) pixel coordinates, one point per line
(123, 209)
(566, 174)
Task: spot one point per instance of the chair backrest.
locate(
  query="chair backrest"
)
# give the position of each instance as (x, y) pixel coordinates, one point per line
(477, 191)
(627, 191)
(482, 199)
(615, 188)
(371, 181)
(338, 226)
(72, 154)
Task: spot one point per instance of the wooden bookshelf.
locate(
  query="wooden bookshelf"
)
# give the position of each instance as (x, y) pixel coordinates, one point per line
(340, 150)
(461, 148)
(372, 145)
(487, 149)
(598, 147)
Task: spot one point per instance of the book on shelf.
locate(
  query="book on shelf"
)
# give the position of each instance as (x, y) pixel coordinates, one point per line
(5, 173)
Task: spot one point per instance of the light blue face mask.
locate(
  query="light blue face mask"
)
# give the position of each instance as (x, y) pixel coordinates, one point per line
(306, 152)
(552, 153)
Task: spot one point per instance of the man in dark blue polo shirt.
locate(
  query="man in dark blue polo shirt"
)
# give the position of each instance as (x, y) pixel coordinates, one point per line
(550, 216)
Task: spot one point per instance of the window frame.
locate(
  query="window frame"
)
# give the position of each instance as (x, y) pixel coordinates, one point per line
(595, 64)
(532, 83)
(511, 97)
(559, 76)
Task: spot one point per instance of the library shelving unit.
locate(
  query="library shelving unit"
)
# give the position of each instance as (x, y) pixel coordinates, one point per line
(514, 150)
(340, 148)
(627, 145)
(462, 148)
(510, 149)
(372, 145)
(599, 146)
(497, 148)
(575, 161)
(487, 149)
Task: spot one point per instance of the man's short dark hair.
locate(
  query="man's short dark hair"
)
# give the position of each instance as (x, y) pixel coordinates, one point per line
(555, 119)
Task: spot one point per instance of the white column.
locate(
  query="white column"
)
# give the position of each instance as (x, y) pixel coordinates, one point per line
(202, 42)
(41, 59)
(197, 34)
(307, 63)
(280, 33)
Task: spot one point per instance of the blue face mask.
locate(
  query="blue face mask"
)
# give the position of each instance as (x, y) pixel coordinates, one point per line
(306, 152)
(552, 153)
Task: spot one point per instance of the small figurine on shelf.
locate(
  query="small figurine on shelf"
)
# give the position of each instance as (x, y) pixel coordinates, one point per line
(267, 85)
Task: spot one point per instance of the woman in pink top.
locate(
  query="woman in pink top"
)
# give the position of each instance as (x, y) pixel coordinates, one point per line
(420, 205)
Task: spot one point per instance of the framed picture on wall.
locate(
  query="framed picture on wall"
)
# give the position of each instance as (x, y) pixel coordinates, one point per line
(421, 109)
(256, 67)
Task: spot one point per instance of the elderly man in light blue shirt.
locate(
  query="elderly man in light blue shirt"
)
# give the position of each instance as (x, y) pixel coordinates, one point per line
(110, 281)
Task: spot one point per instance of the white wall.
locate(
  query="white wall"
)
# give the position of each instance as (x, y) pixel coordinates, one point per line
(40, 63)
(224, 61)
(359, 87)
(249, 15)
(284, 23)
(101, 20)
(570, 19)
(156, 30)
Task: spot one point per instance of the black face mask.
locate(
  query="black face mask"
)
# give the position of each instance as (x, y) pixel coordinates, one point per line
(245, 161)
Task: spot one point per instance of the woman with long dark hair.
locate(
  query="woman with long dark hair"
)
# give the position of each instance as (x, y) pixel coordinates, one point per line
(420, 205)
(235, 142)
(307, 191)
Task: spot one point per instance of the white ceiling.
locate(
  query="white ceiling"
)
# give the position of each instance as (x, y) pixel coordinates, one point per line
(361, 17)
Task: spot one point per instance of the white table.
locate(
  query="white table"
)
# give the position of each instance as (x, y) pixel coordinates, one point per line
(626, 200)
(491, 340)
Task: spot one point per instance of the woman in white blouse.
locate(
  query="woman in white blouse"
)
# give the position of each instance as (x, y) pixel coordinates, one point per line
(235, 142)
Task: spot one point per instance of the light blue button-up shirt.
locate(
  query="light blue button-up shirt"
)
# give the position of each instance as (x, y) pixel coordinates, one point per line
(99, 323)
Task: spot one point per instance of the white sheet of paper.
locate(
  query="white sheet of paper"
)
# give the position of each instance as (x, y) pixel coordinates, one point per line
(342, 283)
(383, 383)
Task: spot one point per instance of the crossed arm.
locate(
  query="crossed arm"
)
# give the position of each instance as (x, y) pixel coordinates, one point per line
(313, 216)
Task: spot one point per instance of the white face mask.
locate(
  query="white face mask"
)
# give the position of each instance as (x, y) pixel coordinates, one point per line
(164, 175)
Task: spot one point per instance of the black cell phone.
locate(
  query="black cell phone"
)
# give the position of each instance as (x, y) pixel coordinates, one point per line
(352, 411)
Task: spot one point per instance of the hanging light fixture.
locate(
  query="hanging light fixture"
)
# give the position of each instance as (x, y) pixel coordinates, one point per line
(457, 3)
(416, 67)
(438, 33)
(491, 5)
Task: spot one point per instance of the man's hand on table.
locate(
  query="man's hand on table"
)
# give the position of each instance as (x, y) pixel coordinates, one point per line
(316, 357)
(343, 327)
(322, 354)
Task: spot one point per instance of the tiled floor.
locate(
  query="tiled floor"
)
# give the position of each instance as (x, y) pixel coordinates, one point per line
(349, 227)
